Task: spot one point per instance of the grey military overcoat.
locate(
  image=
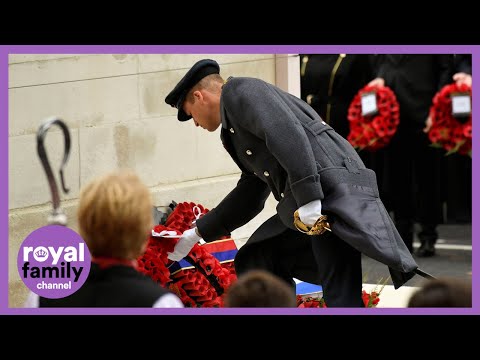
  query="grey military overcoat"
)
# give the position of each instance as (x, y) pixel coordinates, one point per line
(282, 146)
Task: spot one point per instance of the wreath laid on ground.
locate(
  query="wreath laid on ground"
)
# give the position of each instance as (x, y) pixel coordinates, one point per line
(202, 277)
(374, 131)
(452, 133)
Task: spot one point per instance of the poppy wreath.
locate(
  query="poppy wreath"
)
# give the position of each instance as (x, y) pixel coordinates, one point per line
(373, 132)
(447, 131)
(203, 276)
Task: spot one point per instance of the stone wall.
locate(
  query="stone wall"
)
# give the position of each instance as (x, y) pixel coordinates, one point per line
(115, 110)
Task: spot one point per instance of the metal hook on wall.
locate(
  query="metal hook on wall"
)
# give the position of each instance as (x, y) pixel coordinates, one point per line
(57, 216)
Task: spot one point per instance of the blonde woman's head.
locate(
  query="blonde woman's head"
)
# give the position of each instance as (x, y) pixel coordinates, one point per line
(115, 215)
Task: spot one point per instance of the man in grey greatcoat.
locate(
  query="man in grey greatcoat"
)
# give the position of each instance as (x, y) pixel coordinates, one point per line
(283, 147)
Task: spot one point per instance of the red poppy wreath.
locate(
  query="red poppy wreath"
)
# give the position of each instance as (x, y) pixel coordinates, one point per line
(375, 130)
(203, 276)
(450, 131)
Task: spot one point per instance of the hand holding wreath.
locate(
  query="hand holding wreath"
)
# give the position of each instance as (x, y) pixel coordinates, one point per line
(373, 132)
(453, 133)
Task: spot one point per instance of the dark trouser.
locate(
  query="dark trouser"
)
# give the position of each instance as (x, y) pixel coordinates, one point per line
(325, 260)
(340, 268)
(416, 188)
(457, 189)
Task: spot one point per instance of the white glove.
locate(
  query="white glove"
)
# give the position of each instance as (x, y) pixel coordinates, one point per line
(184, 245)
(309, 213)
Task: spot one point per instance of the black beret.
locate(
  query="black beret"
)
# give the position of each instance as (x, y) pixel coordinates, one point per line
(197, 72)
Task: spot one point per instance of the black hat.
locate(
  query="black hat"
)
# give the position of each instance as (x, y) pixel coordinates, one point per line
(197, 72)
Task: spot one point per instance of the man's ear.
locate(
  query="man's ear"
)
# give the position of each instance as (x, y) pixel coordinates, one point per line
(197, 94)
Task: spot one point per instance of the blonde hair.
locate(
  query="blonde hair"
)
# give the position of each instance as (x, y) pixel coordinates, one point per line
(115, 215)
(212, 83)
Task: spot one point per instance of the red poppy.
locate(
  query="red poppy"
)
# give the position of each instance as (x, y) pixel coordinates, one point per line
(200, 283)
(449, 132)
(369, 300)
(373, 132)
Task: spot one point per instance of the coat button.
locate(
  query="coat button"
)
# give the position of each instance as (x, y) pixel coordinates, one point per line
(282, 195)
(323, 122)
(248, 152)
(231, 130)
(266, 173)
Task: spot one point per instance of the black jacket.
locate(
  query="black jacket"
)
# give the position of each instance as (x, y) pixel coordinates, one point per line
(329, 83)
(463, 63)
(415, 79)
(115, 286)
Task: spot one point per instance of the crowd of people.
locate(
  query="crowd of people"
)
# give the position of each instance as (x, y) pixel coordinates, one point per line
(415, 179)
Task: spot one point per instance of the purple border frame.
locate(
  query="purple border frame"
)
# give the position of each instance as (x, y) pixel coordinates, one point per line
(225, 49)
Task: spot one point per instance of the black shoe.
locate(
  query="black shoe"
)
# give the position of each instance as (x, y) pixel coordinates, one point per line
(426, 249)
(428, 237)
(428, 233)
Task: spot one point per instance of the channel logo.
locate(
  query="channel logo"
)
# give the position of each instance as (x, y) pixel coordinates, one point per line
(53, 261)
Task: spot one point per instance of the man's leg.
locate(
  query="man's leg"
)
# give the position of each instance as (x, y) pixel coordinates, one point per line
(340, 268)
(325, 260)
(429, 174)
(401, 177)
(288, 255)
(263, 255)
(428, 237)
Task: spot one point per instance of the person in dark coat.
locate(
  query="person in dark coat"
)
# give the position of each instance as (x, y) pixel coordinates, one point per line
(410, 174)
(463, 69)
(329, 82)
(457, 187)
(283, 147)
(115, 220)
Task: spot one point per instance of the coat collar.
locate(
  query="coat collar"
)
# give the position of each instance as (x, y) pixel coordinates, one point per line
(222, 108)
